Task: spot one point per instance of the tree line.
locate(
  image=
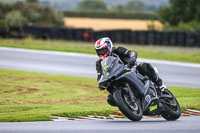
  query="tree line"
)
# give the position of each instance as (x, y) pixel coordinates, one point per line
(178, 15)
(100, 5)
(28, 13)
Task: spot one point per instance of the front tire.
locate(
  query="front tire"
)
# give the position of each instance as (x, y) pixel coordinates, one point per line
(173, 111)
(132, 111)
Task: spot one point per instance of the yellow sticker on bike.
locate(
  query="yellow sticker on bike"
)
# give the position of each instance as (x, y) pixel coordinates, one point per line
(153, 107)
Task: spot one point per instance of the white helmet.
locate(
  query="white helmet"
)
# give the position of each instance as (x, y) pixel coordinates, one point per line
(103, 47)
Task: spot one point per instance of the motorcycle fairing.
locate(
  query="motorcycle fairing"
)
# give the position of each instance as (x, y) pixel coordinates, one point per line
(133, 81)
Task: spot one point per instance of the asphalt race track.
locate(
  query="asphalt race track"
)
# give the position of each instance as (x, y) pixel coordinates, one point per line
(83, 65)
(187, 124)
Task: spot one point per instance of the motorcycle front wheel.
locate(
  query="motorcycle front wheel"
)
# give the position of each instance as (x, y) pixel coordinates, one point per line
(132, 110)
(172, 107)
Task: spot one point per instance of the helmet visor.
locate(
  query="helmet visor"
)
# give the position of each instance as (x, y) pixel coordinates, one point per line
(102, 52)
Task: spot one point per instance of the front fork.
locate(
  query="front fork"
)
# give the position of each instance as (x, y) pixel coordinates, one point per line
(128, 90)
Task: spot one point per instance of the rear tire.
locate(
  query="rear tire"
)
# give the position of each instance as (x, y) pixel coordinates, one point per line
(173, 111)
(131, 111)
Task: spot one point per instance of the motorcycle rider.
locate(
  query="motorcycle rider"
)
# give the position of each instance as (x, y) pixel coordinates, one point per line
(104, 48)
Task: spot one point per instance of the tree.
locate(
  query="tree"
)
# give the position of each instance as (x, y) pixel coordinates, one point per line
(92, 5)
(32, 1)
(15, 18)
(134, 6)
(131, 6)
(118, 8)
(22, 13)
(4, 9)
(180, 11)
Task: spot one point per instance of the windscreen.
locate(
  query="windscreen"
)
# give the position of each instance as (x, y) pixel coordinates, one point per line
(111, 64)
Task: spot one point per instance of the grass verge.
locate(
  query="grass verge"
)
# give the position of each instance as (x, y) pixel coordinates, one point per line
(29, 96)
(147, 51)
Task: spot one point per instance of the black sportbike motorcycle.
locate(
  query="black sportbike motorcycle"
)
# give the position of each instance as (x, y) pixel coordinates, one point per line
(136, 95)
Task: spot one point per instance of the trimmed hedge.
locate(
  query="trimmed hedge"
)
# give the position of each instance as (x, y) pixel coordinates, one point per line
(110, 14)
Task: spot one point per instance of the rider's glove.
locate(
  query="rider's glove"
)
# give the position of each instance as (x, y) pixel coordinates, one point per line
(131, 62)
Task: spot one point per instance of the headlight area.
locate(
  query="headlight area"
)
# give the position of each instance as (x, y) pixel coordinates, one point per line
(104, 83)
(107, 81)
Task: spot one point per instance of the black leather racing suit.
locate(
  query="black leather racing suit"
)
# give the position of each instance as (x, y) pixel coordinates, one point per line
(129, 58)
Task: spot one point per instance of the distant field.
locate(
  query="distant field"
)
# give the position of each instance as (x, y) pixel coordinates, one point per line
(109, 24)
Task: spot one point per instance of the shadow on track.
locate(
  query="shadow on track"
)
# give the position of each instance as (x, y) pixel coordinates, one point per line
(142, 121)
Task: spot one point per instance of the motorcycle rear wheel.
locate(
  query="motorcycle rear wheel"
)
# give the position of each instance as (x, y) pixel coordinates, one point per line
(132, 111)
(173, 111)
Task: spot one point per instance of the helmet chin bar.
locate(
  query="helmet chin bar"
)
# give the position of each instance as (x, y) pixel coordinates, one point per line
(102, 52)
(104, 56)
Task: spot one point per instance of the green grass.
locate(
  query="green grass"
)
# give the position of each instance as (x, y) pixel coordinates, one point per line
(29, 96)
(149, 51)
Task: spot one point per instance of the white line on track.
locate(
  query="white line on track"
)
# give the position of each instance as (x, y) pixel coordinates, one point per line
(94, 56)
